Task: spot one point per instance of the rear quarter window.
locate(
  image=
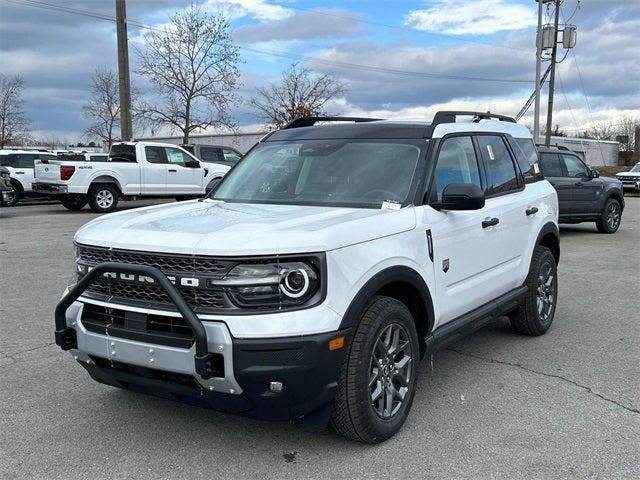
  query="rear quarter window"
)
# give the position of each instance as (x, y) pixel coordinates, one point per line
(123, 153)
(527, 158)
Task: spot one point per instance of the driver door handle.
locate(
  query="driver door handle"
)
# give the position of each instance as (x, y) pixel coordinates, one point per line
(490, 222)
(172, 170)
(531, 211)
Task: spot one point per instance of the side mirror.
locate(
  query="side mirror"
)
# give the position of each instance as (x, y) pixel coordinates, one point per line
(192, 164)
(462, 196)
(595, 173)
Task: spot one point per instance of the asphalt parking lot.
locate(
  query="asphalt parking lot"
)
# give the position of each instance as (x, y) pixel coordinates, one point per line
(495, 405)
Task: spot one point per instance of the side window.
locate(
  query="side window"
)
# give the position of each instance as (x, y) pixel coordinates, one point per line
(501, 172)
(154, 154)
(8, 160)
(48, 157)
(527, 158)
(551, 165)
(457, 163)
(210, 154)
(97, 158)
(25, 160)
(574, 166)
(231, 155)
(176, 157)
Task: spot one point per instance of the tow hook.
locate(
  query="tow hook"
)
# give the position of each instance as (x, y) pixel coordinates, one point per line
(66, 338)
(204, 365)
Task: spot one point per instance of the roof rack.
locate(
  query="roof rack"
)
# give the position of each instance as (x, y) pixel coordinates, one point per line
(449, 116)
(310, 121)
(559, 147)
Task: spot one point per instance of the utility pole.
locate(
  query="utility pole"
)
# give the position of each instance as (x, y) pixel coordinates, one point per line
(536, 108)
(123, 71)
(552, 77)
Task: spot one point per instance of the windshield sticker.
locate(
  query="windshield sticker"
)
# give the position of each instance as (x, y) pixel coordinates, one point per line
(390, 205)
(490, 150)
(536, 168)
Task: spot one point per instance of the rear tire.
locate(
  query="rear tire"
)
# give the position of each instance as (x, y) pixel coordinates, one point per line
(536, 315)
(14, 196)
(378, 379)
(73, 201)
(103, 198)
(611, 217)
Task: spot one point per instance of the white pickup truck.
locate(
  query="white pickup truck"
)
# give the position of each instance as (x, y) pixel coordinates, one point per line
(133, 170)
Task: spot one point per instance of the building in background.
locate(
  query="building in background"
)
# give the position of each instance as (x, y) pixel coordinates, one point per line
(595, 153)
(240, 141)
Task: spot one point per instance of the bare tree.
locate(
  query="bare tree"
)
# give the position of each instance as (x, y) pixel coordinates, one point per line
(602, 130)
(626, 128)
(13, 119)
(193, 67)
(103, 107)
(299, 93)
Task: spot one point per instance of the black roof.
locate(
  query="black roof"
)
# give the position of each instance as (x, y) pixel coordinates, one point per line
(368, 130)
(371, 128)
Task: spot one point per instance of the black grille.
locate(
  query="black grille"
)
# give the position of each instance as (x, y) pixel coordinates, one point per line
(201, 299)
(166, 263)
(153, 296)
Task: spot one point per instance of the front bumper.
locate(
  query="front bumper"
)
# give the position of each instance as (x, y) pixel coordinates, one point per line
(235, 376)
(49, 188)
(631, 185)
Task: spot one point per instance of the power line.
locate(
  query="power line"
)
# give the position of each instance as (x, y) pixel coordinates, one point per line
(334, 63)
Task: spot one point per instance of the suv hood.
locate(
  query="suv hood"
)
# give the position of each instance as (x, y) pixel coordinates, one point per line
(235, 229)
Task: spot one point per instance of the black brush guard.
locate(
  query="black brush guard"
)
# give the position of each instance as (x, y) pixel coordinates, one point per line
(66, 336)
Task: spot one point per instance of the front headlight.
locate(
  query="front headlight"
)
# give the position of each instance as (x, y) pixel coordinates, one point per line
(277, 284)
(76, 274)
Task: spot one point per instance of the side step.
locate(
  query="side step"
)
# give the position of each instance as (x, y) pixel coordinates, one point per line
(470, 322)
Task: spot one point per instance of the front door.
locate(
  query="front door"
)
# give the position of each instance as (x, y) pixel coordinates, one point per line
(180, 177)
(465, 253)
(586, 191)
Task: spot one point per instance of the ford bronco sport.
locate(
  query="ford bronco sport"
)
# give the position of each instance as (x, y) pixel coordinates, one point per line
(327, 262)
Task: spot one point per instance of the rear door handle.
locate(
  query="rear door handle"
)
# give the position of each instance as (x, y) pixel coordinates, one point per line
(578, 184)
(490, 222)
(19, 173)
(531, 211)
(172, 170)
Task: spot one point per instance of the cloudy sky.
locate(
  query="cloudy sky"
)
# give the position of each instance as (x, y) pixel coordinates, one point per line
(398, 59)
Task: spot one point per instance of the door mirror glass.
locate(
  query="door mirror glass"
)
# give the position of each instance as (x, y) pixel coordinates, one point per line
(462, 196)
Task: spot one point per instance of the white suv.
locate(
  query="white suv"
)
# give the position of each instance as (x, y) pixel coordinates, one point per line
(326, 264)
(20, 164)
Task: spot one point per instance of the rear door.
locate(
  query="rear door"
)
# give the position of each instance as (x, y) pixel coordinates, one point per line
(154, 171)
(180, 177)
(586, 191)
(554, 172)
(507, 191)
(465, 254)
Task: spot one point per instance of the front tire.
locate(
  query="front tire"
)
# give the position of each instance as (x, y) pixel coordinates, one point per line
(535, 316)
(378, 379)
(73, 201)
(609, 222)
(103, 198)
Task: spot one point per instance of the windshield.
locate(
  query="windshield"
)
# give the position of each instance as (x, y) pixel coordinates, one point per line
(636, 168)
(351, 173)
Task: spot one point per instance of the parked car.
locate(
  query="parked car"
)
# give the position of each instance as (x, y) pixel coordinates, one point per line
(20, 164)
(133, 170)
(8, 194)
(583, 195)
(214, 153)
(631, 179)
(332, 258)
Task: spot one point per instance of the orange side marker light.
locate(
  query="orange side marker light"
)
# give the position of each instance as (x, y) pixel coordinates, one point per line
(336, 343)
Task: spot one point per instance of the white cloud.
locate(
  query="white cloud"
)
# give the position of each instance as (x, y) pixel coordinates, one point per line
(462, 17)
(263, 10)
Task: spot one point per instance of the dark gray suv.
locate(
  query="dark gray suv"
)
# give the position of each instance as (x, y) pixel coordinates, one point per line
(583, 195)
